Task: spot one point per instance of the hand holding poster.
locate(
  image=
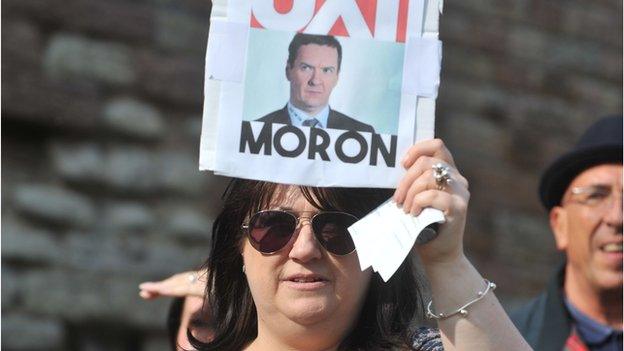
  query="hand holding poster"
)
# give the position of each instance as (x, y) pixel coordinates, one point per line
(322, 93)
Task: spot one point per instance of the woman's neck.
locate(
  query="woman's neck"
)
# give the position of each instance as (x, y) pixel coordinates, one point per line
(295, 337)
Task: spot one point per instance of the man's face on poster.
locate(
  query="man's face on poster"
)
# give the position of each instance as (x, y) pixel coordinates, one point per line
(312, 77)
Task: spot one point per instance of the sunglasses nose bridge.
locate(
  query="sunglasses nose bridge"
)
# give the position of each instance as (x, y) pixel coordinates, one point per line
(303, 220)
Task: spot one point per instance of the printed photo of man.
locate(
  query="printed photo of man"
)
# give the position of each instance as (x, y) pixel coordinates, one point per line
(313, 69)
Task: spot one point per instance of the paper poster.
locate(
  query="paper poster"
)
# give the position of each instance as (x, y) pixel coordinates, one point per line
(319, 92)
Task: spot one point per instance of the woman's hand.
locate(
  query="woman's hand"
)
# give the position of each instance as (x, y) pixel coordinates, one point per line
(418, 189)
(192, 283)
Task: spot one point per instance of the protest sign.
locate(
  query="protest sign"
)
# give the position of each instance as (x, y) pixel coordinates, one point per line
(319, 92)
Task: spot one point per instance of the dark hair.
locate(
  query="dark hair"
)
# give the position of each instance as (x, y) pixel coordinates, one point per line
(174, 319)
(389, 309)
(301, 39)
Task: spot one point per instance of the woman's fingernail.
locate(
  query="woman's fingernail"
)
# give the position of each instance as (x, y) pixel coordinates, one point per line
(404, 161)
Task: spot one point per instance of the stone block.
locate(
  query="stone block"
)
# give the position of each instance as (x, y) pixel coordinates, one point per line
(23, 243)
(114, 18)
(94, 252)
(468, 96)
(10, 288)
(82, 163)
(29, 97)
(30, 332)
(54, 204)
(486, 33)
(192, 127)
(509, 10)
(578, 16)
(78, 296)
(198, 7)
(527, 42)
(179, 172)
(523, 239)
(156, 343)
(154, 254)
(181, 31)
(166, 256)
(174, 79)
(128, 217)
(22, 43)
(135, 118)
(70, 56)
(491, 143)
(187, 222)
(607, 95)
(131, 169)
(458, 61)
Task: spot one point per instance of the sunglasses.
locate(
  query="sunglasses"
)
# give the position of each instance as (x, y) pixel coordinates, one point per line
(269, 231)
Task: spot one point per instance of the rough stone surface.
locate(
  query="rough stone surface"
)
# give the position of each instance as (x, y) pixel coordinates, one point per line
(179, 172)
(23, 243)
(128, 217)
(80, 296)
(55, 204)
(101, 117)
(78, 162)
(132, 169)
(133, 117)
(156, 343)
(172, 78)
(29, 333)
(69, 55)
(176, 30)
(188, 223)
(10, 291)
(193, 126)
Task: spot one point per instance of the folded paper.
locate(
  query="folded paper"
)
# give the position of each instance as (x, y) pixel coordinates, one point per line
(385, 237)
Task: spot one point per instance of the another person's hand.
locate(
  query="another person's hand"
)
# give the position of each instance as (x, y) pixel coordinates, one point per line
(192, 283)
(418, 189)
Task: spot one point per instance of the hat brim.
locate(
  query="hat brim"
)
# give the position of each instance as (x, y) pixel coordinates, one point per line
(560, 174)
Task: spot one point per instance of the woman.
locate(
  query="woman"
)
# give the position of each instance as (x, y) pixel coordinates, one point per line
(283, 273)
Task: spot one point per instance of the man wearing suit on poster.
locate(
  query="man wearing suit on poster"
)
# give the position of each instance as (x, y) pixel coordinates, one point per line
(312, 69)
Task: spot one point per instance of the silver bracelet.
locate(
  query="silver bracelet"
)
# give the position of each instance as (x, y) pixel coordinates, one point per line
(462, 311)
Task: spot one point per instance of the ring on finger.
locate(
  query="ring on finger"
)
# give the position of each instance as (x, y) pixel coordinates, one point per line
(442, 175)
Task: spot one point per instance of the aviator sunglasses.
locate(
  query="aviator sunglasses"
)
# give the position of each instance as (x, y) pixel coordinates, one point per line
(269, 231)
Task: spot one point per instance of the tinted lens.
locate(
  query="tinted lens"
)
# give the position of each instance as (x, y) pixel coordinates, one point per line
(331, 231)
(270, 231)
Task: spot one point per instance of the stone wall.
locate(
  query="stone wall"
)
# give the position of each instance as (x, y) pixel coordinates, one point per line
(101, 113)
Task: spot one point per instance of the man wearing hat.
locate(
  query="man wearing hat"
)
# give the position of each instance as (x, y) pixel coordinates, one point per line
(581, 308)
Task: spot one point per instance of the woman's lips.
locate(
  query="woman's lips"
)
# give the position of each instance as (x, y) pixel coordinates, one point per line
(306, 282)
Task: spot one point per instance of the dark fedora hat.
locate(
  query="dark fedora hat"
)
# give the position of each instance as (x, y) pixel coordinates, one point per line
(601, 143)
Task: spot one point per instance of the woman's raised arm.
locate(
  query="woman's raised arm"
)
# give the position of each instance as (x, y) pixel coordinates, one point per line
(432, 180)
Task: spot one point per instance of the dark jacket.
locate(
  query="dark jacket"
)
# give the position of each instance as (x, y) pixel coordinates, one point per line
(336, 120)
(545, 321)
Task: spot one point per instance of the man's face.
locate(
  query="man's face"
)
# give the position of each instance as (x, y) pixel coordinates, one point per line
(312, 77)
(588, 226)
